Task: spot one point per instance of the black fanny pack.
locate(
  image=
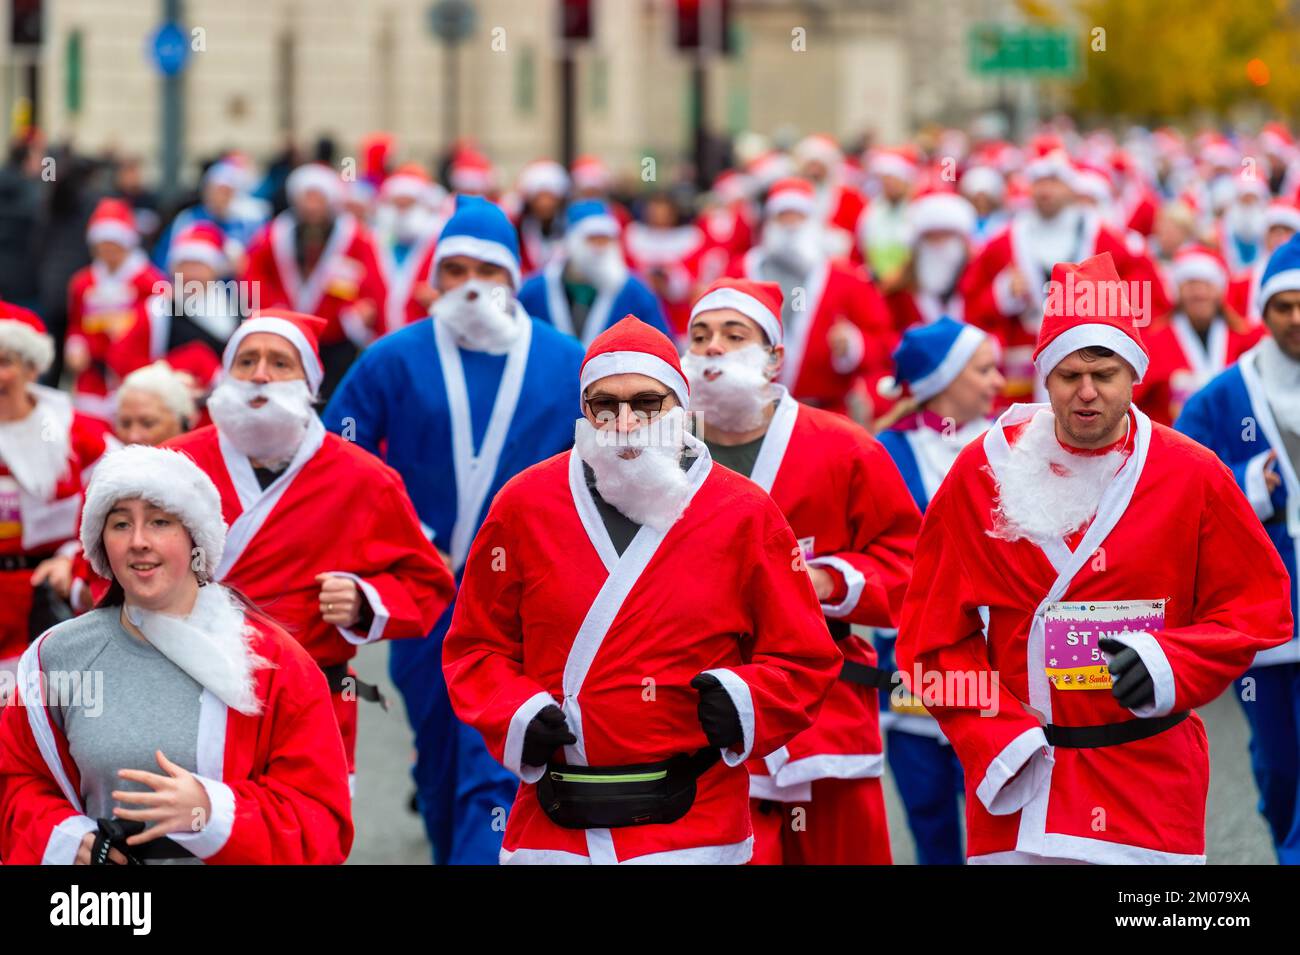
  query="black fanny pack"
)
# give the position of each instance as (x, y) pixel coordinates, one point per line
(113, 833)
(48, 609)
(611, 797)
(1111, 734)
(337, 676)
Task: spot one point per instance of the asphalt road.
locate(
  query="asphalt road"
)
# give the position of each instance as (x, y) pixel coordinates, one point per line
(387, 833)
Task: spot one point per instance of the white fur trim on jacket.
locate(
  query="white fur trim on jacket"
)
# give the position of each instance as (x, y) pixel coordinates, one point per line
(1001, 792)
(166, 479)
(743, 701)
(1157, 664)
(512, 757)
(371, 595)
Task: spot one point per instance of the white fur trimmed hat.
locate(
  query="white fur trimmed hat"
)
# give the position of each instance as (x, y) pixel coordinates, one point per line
(23, 333)
(165, 478)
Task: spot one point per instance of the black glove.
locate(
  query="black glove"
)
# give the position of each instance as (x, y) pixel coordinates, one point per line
(1131, 682)
(112, 834)
(546, 731)
(718, 714)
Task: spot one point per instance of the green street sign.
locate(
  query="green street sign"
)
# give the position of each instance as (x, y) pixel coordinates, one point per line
(1028, 51)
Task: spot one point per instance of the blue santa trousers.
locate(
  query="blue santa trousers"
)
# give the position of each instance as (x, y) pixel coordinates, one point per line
(1274, 717)
(464, 795)
(929, 778)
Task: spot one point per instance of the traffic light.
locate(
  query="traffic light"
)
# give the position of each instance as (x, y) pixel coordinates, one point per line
(575, 19)
(692, 29)
(25, 22)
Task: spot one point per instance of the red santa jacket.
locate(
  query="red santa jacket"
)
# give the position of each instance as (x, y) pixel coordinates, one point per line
(401, 281)
(34, 524)
(281, 538)
(674, 263)
(550, 613)
(990, 306)
(146, 342)
(852, 513)
(346, 275)
(835, 291)
(977, 609)
(277, 781)
(102, 308)
(729, 228)
(1181, 365)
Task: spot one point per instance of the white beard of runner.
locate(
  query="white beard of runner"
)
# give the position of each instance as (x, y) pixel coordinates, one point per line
(650, 488)
(737, 399)
(1047, 493)
(270, 434)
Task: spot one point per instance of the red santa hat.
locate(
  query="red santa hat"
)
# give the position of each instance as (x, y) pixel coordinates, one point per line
(113, 221)
(760, 301)
(1276, 139)
(165, 478)
(23, 333)
(790, 195)
(1088, 307)
(818, 148)
(590, 172)
(983, 179)
(899, 163)
(632, 347)
(315, 177)
(1050, 165)
(769, 167)
(543, 175)
(200, 242)
(1280, 212)
(302, 331)
(731, 186)
(409, 181)
(471, 172)
(942, 212)
(1092, 181)
(1197, 262)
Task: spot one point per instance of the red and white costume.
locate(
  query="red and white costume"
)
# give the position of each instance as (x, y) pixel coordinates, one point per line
(683, 257)
(104, 305)
(564, 619)
(980, 608)
(276, 547)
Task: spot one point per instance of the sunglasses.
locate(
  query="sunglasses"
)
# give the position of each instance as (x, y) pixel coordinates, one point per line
(606, 407)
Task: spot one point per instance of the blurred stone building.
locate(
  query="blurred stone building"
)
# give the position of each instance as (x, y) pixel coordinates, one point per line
(261, 72)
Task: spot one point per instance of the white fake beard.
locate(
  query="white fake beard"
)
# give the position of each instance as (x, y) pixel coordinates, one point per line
(604, 269)
(35, 449)
(651, 488)
(938, 264)
(735, 400)
(270, 434)
(797, 247)
(211, 645)
(488, 323)
(1245, 222)
(1045, 493)
(1281, 377)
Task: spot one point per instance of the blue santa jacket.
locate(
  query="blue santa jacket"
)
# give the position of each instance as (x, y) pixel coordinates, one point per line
(1222, 417)
(544, 292)
(394, 395)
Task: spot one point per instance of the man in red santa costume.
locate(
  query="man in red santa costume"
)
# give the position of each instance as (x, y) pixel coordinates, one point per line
(838, 204)
(1084, 580)
(816, 800)
(406, 229)
(670, 255)
(580, 648)
(47, 451)
(105, 299)
(1202, 338)
(1281, 221)
(206, 736)
(317, 259)
(942, 226)
(543, 186)
(1004, 285)
(282, 479)
(837, 326)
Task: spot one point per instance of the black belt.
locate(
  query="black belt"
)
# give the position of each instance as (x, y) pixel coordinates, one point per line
(611, 797)
(840, 629)
(113, 833)
(22, 561)
(337, 676)
(864, 675)
(1111, 734)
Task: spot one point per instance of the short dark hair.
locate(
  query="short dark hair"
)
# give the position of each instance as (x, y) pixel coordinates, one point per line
(1093, 352)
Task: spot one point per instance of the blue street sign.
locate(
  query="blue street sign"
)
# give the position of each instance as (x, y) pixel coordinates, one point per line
(169, 48)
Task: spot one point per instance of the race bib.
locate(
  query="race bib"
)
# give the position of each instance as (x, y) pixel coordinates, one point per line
(1071, 655)
(11, 515)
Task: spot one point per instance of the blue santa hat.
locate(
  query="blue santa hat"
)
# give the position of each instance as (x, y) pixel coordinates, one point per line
(479, 229)
(930, 357)
(1282, 274)
(591, 217)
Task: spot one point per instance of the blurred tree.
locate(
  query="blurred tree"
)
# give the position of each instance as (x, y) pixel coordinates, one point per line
(1166, 59)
